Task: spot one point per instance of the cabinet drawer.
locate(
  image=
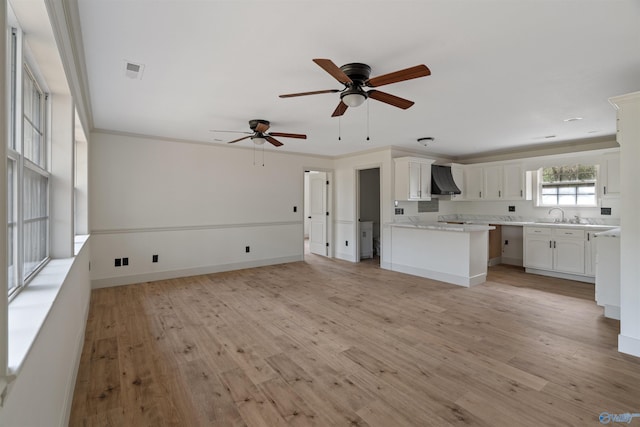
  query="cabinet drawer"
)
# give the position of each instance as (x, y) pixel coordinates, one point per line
(539, 231)
(568, 232)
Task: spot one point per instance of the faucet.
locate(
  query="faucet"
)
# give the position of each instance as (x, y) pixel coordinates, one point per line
(561, 210)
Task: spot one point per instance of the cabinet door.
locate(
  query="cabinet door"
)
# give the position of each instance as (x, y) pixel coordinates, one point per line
(425, 181)
(538, 252)
(493, 182)
(473, 178)
(414, 180)
(568, 255)
(513, 182)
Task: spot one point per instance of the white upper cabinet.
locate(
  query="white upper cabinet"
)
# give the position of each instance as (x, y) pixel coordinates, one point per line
(513, 182)
(473, 182)
(609, 176)
(413, 178)
(494, 182)
(504, 182)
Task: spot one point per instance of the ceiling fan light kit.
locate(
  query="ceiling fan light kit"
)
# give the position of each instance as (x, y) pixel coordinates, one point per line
(353, 98)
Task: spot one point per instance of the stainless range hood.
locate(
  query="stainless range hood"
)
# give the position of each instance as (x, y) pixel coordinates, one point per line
(442, 181)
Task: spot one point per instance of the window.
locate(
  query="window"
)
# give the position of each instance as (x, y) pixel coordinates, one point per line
(569, 185)
(27, 173)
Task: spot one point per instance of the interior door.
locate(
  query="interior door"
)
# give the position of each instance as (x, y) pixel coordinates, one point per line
(318, 213)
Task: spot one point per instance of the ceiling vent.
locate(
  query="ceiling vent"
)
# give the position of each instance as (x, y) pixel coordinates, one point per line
(133, 70)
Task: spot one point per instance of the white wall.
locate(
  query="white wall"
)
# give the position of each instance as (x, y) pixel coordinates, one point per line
(41, 394)
(196, 206)
(345, 201)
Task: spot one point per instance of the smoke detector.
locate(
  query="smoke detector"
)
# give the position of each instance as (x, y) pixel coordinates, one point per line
(426, 140)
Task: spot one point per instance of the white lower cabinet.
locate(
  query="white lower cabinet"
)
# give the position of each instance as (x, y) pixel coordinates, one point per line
(568, 254)
(559, 250)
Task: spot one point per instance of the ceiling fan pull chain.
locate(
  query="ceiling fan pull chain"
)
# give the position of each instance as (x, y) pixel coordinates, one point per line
(339, 128)
(367, 119)
(262, 155)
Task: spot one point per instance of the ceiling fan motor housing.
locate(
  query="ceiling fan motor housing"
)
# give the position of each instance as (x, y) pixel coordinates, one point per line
(357, 72)
(254, 123)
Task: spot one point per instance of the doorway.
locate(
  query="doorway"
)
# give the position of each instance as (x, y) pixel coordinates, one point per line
(317, 227)
(368, 215)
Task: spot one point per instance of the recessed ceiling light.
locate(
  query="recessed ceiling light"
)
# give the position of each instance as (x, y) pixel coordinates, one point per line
(426, 140)
(572, 119)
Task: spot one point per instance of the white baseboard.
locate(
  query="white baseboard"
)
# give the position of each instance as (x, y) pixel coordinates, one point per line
(494, 261)
(440, 276)
(629, 345)
(612, 311)
(196, 271)
(512, 261)
(577, 277)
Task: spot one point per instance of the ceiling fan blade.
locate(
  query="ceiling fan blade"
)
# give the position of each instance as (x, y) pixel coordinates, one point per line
(273, 141)
(399, 76)
(315, 92)
(340, 109)
(262, 127)
(239, 139)
(230, 131)
(334, 70)
(289, 135)
(387, 98)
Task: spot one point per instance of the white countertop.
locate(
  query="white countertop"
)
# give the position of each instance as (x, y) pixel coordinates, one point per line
(443, 226)
(569, 225)
(614, 232)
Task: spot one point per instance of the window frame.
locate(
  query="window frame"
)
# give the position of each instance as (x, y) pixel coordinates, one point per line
(22, 67)
(574, 184)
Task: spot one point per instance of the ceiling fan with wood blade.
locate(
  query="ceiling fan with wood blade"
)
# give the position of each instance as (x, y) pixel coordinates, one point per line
(355, 77)
(259, 133)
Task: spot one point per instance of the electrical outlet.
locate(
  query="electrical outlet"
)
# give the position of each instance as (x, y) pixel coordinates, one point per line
(154, 258)
(295, 209)
(605, 211)
(506, 242)
(118, 262)
(346, 243)
(512, 208)
(399, 211)
(247, 249)
(125, 261)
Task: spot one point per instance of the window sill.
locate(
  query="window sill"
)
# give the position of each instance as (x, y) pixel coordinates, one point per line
(28, 310)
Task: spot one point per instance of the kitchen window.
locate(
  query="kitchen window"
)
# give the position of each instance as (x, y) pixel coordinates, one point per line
(568, 185)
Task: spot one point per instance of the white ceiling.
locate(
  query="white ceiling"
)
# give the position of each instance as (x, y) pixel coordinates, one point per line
(505, 74)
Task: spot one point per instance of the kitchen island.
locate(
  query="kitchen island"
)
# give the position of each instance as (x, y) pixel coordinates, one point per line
(452, 253)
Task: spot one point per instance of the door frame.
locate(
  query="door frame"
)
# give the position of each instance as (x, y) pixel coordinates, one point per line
(356, 220)
(329, 230)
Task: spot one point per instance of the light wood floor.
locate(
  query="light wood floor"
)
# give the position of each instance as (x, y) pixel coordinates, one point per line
(331, 343)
